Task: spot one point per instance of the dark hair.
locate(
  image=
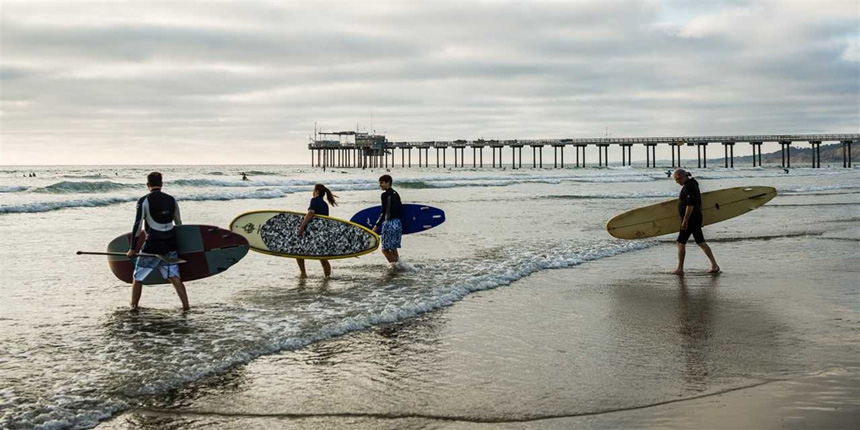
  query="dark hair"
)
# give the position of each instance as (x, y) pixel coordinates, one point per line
(387, 179)
(154, 179)
(325, 192)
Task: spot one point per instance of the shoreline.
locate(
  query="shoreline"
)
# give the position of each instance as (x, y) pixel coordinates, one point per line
(465, 339)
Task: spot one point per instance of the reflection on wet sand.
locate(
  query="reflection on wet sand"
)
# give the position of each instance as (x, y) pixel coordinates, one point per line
(694, 324)
(381, 362)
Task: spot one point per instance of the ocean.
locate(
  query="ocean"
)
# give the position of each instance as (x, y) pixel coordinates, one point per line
(72, 355)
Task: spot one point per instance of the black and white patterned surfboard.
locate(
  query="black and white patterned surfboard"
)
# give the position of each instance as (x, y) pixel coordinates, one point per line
(276, 232)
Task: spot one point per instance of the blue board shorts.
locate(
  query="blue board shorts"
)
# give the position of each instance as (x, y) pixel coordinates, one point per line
(145, 266)
(392, 231)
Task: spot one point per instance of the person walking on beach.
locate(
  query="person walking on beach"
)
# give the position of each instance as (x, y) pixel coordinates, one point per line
(317, 206)
(389, 221)
(690, 211)
(159, 213)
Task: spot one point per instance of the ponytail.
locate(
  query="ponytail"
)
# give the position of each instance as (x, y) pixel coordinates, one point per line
(681, 173)
(326, 193)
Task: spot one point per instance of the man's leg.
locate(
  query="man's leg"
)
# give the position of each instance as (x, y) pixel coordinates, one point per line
(301, 263)
(715, 268)
(136, 290)
(180, 290)
(682, 253)
(391, 256)
(326, 268)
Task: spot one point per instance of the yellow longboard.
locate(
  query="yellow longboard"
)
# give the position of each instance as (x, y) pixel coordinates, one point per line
(275, 232)
(663, 218)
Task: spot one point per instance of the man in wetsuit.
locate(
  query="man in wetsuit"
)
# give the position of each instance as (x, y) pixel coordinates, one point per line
(389, 220)
(159, 212)
(690, 211)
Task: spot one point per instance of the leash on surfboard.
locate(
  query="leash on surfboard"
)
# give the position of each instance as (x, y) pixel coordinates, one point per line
(163, 258)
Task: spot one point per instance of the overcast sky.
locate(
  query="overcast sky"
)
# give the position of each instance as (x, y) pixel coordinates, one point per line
(160, 82)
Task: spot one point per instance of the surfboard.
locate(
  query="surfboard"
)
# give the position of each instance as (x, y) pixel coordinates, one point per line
(663, 218)
(415, 218)
(206, 249)
(275, 233)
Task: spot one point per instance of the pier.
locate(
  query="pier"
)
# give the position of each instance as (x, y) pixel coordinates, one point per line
(352, 149)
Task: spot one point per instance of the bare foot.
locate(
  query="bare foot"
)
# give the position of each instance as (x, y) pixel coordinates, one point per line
(303, 275)
(679, 272)
(715, 269)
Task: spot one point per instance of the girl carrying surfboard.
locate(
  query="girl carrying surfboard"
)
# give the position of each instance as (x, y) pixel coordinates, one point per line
(317, 206)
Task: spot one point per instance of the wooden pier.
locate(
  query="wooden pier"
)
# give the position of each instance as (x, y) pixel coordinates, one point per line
(350, 149)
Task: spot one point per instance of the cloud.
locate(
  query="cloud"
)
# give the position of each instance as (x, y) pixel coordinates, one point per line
(92, 82)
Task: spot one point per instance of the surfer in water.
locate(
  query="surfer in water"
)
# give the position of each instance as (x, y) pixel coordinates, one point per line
(317, 206)
(389, 220)
(690, 211)
(159, 213)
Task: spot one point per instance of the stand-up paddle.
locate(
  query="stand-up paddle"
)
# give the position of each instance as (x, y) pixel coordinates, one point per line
(163, 258)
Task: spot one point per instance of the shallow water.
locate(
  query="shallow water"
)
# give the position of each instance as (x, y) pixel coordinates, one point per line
(73, 355)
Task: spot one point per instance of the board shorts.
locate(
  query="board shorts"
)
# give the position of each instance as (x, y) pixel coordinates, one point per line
(392, 231)
(694, 228)
(145, 266)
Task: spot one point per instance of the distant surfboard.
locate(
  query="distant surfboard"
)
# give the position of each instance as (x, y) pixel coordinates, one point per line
(415, 218)
(663, 218)
(206, 249)
(275, 233)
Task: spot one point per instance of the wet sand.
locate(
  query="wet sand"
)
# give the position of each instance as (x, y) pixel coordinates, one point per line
(773, 342)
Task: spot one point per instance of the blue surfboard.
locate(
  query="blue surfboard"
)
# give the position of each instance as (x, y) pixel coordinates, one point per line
(415, 218)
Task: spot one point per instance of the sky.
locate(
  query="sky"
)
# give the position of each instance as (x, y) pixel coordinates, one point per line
(244, 83)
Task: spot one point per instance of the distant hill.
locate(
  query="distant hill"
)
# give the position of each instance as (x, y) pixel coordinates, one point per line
(800, 157)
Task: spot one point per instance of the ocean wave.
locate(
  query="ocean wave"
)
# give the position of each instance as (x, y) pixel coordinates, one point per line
(97, 201)
(231, 335)
(238, 183)
(13, 188)
(418, 184)
(608, 196)
(812, 189)
(37, 207)
(83, 187)
(90, 176)
(612, 179)
(261, 173)
(758, 173)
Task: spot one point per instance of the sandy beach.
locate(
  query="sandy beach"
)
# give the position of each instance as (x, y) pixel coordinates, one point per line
(762, 345)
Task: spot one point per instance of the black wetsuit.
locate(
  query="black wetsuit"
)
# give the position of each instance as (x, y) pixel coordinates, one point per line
(691, 196)
(158, 211)
(391, 206)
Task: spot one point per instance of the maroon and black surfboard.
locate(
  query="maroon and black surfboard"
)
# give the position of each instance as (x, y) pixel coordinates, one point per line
(207, 250)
